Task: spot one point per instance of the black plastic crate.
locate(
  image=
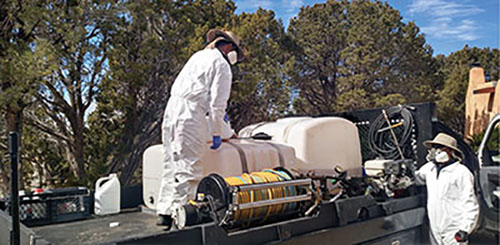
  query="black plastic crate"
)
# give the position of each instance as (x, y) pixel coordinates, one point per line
(54, 206)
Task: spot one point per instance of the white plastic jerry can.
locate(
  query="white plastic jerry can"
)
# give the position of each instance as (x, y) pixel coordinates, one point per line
(107, 195)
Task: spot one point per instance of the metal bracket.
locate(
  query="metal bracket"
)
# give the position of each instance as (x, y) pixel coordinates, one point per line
(284, 232)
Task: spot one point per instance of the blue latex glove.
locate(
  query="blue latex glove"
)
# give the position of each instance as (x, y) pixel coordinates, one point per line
(216, 142)
(226, 118)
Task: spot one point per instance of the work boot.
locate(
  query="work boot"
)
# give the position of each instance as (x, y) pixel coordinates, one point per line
(164, 220)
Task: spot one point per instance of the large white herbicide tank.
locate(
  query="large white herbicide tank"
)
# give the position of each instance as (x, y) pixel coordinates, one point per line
(320, 143)
(279, 129)
(226, 161)
(107, 195)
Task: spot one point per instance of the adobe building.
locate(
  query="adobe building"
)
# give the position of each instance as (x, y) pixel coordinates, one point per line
(482, 102)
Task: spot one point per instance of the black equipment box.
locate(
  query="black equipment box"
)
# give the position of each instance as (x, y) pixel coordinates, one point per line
(54, 206)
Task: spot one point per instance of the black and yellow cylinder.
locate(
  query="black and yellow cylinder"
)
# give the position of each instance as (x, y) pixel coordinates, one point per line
(252, 198)
(261, 193)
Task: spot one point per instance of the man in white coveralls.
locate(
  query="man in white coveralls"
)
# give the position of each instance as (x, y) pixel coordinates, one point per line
(451, 201)
(202, 88)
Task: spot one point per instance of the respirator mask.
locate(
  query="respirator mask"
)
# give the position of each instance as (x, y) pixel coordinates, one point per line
(437, 156)
(442, 156)
(232, 57)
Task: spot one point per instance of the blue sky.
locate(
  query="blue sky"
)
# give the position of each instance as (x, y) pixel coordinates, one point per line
(448, 24)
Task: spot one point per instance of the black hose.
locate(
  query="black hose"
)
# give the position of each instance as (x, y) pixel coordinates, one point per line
(382, 143)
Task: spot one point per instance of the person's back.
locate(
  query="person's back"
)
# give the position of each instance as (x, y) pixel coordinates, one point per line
(195, 78)
(198, 98)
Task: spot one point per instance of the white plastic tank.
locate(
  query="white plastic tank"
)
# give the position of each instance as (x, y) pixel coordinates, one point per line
(279, 130)
(107, 195)
(152, 169)
(320, 143)
(226, 161)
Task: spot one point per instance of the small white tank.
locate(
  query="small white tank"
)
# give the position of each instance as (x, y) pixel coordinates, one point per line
(226, 161)
(107, 195)
(152, 169)
(320, 143)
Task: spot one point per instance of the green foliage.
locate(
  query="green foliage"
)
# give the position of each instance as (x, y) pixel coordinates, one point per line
(260, 90)
(150, 47)
(390, 100)
(319, 33)
(455, 69)
(61, 59)
(46, 165)
(354, 53)
(22, 65)
(493, 142)
(79, 35)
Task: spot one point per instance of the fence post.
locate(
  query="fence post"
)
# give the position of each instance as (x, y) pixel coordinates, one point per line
(15, 236)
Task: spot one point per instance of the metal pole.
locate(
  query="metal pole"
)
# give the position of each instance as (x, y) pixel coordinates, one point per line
(264, 203)
(15, 237)
(393, 135)
(252, 187)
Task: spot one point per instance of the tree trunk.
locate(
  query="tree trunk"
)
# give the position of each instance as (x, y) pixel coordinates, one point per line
(14, 117)
(76, 154)
(4, 187)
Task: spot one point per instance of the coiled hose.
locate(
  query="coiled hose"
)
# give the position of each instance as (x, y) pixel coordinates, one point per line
(382, 143)
(266, 176)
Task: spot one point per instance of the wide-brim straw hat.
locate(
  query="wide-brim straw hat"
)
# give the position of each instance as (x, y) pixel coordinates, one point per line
(216, 35)
(443, 139)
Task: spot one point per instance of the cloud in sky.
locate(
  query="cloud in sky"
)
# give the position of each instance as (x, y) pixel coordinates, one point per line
(445, 28)
(292, 5)
(448, 19)
(443, 8)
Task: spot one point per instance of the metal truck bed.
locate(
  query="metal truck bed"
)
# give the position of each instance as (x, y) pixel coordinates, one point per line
(97, 230)
(334, 223)
(403, 224)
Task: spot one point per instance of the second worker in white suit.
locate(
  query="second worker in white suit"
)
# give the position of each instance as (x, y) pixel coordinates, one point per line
(452, 205)
(202, 87)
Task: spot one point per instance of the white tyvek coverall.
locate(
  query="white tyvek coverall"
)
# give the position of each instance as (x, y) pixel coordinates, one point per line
(451, 201)
(203, 86)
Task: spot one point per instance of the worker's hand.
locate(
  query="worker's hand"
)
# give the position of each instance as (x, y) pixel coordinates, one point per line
(461, 236)
(216, 142)
(226, 118)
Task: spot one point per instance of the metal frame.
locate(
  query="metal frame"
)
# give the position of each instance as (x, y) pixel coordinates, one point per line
(235, 205)
(324, 226)
(264, 203)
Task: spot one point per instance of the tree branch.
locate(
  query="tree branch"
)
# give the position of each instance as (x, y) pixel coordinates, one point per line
(92, 83)
(47, 130)
(59, 98)
(53, 115)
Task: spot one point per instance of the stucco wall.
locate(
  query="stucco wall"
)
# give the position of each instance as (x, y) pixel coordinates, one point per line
(480, 107)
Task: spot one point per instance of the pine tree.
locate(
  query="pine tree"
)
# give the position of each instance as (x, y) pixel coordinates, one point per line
(356, 54)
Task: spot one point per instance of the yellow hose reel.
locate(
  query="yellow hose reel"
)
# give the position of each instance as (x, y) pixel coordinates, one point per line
(248, 199)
